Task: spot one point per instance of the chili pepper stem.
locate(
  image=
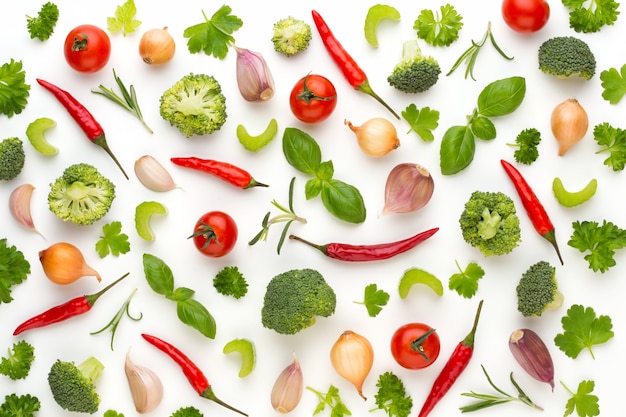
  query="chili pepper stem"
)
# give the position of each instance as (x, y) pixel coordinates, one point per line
(102, 142)
(366, 88)
(469, 339)
(92, 298)
(255, 183)
(321, 248)
(551, 237)
(210, 395)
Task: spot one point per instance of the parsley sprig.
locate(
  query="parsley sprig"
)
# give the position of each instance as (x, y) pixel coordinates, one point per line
(374, 299)
(112, 241)
(439, 28)
(582, 329)
(465, 282)
(582, 401)
(392, 397)
(422, 121)
(599, 243)
(612, 140)
(124, 20)
(332, 399)
(214, 35)
(613, 84)
(591, 16)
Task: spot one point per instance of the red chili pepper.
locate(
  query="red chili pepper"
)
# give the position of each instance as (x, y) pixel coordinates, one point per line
(351, 70)
(83, 118)
(452, 369)
(535, 210)
(227, 172)
(360, 253)
(72, 308)
(194, 375)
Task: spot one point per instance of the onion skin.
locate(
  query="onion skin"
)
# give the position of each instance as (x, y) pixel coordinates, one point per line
(157, 47)
(569, 123)
(409, 187)
(63, 263)
(376, 137)
(352, 356)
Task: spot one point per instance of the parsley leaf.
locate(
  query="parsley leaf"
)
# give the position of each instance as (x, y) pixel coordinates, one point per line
(526, 143)
(19, 405)
(331, 399)
(583, 401)
(422, 121)
(612, 140)
(230, 281)
(16, 365)
(392, 397)
(124, 20)
(601, 241)
(42, 25)
(14, 91)
(466, 282)
(614, 84)
(439, 29)
(14, 269)
(590, 16)
(374, 299)
(213, 36)
(112, 241)
(582, 330)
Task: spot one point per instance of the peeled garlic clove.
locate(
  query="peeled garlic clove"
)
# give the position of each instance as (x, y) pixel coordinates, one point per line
(153, 175)
(63, 263)
(352, 356)
(287, 389)
(145, 386)
(19, 205)
(409, 187)
(532, 355)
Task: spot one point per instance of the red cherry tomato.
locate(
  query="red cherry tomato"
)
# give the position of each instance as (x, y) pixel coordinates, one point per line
(525, 16)
(215, 234)
(87, 48)
(313, 98)
(415, 345)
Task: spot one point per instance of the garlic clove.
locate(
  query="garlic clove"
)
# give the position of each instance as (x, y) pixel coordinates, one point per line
(145, 386)
(63, 263)
(254, 78)
(153, 175)
(287, 389)
(19, 205)
(409, 187)
(533, 355)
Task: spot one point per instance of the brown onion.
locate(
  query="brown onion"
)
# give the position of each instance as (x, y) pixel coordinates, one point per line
(63, 263)
(569, 124)
(409, 187)
(352, 356)
(157, 47)
(376, 137)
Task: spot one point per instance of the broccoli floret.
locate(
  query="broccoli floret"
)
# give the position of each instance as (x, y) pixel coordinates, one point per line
(567, 56)
(42, 25)
(526, 143)
(19, 405)
(291, 36)
(537, 290)
(187, 412)
(294, 299)
(74, 387)
(230, 281)
(12, 158)
(16, 365)
(490, 223)
(81, 195)
(415, 73)
(195, 104)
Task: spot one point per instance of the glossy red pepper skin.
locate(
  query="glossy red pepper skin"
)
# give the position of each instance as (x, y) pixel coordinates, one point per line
(72, 308)
(194, 375)
(454, 367)
(228, 172)
(364, 253)
(535, 210)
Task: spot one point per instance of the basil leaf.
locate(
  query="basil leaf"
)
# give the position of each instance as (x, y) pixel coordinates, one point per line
(194, 314)
(483, 128)
(301, 150)
(326, 170)
(158, 275)
(457, 149)
(180, 294)
(343, 201)
(312, 188)
(502, 97)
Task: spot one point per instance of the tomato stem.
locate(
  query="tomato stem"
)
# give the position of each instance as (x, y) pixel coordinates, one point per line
(418, 344)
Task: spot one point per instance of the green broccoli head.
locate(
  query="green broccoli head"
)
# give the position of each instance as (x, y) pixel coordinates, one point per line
(195, 104)
(291, 36)
(567, 56)
(489, 223)
(415, 73)
(12, 158)
(81, 195)
(74, 387)
(537, 290)
(294, 299)
(230, 281)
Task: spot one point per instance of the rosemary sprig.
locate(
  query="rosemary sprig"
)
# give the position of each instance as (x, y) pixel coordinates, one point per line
(470, 55)
(115, 321)
(488, 400)
(288, 217)
(128, 100)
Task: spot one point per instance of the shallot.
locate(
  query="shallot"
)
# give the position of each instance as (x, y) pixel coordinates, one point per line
(157, 47)
(569, 122)
(63, 263)
(352, 356)
(376, 137)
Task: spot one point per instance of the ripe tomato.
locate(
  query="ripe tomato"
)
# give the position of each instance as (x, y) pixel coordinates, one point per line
(215, 234)
(87, 48)
(313, 98)
(525, 16)
(415, 345)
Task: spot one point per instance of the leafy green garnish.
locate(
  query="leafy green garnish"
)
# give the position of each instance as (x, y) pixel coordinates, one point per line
(600, 241)
(612, 140)
(230, 281)
(526, 144)
(14, 269)
(582, 401)
(19, 406)
(124, 20)
(465, 282)
(374, 299)
(392, 397)
(112, 413)
(214, 35)
(415, 276)
(115, 321)
(42, 25)
(332, 399)
(14, 91)
(422, 121)
(112, 241)
(376, 14)
(614, 84)
(583, 330)
(439, 28)
(590, 16)
(16, 365)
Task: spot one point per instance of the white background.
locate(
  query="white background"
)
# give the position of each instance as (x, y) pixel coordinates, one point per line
(454, 96)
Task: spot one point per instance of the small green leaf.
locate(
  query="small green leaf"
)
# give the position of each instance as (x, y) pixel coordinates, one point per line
(457, 149)
(582, 401)
(466, 281)
(158, 274)
(502, 97)
(112, 241)
(343, 201)
(124, 20)
(214, 35)
(613, 84)
(301, 151)
(415, 276)
(583, 330)
(422, 121)
(483, 128)
(374, 299)
(194, 314)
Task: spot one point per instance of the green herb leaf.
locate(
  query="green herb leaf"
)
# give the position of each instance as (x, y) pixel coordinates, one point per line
(582, 401)
(344, 201)
(483, 128)
(601, 241)
(612, 140)
(115, 321)
(16, 365)
(457, 149)
(331, 399)
(124, 20)
(614, 84)
(582, 330)
(42, 26)
(391, 396)
(502, 97)
(589, 17)
(301, 151)
(439, 29)
(181, 294)
(20, 405)
(422, 121)
(14, 91)
(112, 241)
(213, 36)
(14, 269)
(158, 274)
(194, 314)
(466, 282)
(312, 188)
(374, 299)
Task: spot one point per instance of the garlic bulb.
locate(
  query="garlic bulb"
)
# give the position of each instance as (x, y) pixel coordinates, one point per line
(409, 187)
(145, 386)
(153, 175)
(254, 78)
(287, 389)
(352, 356)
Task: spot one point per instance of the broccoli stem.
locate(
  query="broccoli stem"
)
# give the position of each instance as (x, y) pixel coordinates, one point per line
(488, 227)
(91, 368)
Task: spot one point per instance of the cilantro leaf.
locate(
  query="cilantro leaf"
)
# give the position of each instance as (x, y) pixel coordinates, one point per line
(213, 36)
(331, 399)
(392, 397)
(16, 365)
(14, 91)
(582, 330)
(601, 241)
(614, 84)
(422, 121)
(466, 282)
(590, 16)
(14, 269)
(439, 29)
(374, 299)
(612, 140)
(582, 401)
(112, 241)
(124, 20)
